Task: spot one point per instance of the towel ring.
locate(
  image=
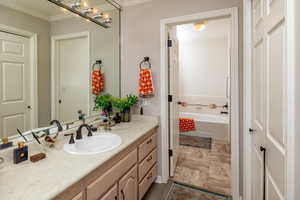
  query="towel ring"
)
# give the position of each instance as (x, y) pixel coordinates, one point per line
(145, 61)
(98, 62)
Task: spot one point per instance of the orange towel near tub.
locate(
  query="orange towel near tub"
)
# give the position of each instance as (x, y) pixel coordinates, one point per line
(187, 124)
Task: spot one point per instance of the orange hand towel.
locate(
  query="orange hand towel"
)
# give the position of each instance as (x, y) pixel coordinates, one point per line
(187, 124)
(97, 82)
(146, 83)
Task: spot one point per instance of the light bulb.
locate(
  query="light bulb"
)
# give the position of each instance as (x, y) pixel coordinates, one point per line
(105, 16)
(95, 10)
(199, 26)
(84, 4)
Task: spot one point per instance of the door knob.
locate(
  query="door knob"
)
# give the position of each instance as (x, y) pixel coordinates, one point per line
(251, 130)
(29, 107)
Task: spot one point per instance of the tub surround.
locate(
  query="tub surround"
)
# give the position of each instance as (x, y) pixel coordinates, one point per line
(49, 178)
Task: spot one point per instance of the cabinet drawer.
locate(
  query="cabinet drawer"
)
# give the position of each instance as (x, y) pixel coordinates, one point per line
(146, 147)
(147, 163)
(78, 196)
(147, 181)
(98, 187)
(112, 194)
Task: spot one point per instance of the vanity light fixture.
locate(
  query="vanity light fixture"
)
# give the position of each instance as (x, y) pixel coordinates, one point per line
(80, 8)
(87, 11)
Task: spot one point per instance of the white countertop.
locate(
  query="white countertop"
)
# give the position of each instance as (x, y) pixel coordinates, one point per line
(51, 176)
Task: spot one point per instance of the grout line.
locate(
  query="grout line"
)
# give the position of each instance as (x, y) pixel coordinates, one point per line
(201, 190)
(170, 190)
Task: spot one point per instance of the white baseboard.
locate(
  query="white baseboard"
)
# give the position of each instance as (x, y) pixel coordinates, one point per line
(158, 180)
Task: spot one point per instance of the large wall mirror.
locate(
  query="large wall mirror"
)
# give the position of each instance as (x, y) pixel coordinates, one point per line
(48, 59)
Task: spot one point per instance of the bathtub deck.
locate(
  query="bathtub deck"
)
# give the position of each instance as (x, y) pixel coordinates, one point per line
(205, 169)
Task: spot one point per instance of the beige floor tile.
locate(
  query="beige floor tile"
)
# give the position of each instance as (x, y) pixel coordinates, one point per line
(205, 169)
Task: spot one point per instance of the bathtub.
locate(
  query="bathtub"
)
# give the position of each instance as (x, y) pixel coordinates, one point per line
(209, 124)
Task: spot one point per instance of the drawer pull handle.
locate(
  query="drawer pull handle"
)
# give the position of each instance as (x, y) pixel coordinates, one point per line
(149, 159)
(123, 194)
(150, 176)
(116, 197)
(149, 141)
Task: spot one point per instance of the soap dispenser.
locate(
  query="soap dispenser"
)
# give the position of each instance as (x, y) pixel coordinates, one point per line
(20, 153)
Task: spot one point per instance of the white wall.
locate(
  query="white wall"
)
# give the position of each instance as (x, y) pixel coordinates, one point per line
(203, 70)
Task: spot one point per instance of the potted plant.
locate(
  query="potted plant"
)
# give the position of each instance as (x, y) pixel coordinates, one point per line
(104, 102)
(123, 105)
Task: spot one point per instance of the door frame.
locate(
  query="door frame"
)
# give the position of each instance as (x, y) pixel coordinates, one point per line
(54, 84)
(290, 140)
(33, 68)
(233, 14)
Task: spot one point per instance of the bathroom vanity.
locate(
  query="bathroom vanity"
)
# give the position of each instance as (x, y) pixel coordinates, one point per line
(125, 173)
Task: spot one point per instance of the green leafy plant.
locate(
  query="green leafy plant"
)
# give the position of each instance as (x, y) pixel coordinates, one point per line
(124, 103)
(103, 102)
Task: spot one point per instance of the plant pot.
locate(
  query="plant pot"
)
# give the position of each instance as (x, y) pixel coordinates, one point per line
(107, 110)
(126, 115)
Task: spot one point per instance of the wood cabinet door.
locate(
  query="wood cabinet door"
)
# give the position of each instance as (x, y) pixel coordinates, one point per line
(128, 185)
(112, 194)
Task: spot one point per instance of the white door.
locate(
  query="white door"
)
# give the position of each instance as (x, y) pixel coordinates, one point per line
(268, 100)
(173, 106)
(73, 77)
(15, 104)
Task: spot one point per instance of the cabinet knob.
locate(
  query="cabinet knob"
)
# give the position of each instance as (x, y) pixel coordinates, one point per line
(149, 159)
(149, 141)
(150, 176)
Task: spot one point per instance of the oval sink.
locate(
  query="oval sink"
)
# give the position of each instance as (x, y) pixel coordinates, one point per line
(95, 144)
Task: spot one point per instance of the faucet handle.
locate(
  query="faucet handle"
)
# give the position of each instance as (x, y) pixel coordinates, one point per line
(93, 129)
(72, 141)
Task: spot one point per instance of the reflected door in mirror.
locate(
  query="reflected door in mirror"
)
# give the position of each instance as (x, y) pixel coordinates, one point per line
(15, 103)
(73, 76)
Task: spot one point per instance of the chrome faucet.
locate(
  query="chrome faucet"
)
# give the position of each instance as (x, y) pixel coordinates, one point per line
(79, 134)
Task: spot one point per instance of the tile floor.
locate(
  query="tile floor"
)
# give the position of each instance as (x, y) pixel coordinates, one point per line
(179, 192)
(207, 169)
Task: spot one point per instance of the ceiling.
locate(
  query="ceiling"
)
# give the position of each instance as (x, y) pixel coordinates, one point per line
(215, 29)
(46, 10)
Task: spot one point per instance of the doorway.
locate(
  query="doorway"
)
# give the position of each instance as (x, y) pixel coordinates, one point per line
(172, 152)
(70, 76)
(18, 75)
(199, 55)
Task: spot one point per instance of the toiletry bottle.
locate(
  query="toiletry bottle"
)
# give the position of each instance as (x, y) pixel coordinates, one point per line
(5, 143)
(20, 153)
